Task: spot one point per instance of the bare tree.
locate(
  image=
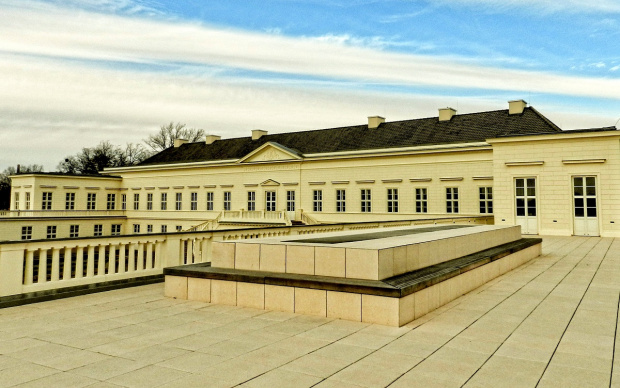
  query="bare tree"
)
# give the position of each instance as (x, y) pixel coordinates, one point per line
(5, 182)
(169, 133)
(95, 159)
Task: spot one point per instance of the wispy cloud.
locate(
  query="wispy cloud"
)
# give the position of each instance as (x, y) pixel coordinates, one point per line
(114, 38)
(63, 88)
(547, 6)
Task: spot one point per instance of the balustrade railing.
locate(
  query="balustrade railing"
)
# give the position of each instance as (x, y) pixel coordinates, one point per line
(61, 213)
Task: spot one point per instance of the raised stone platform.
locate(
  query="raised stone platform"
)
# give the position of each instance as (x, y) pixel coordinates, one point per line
(389, 277)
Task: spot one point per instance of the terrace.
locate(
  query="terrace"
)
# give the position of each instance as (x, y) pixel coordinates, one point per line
(551, 322)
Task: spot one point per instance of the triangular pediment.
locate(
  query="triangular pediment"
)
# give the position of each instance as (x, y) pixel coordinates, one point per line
(270, 182)
(268, 152)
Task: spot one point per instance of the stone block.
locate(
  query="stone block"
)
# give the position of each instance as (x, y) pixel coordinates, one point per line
(273, 258)
(175, 287)
(247, 256)
(300, 259)
(199, 289)
(421, 303)
(406, 309)
(311, 302)
(400, 260)
(279, 298)
(362, 264)
(224, 292)
(386, 263)
(381, 310)
(413, 253)
(223, 255)
(344, 305)
(251, 295)
(329, 261)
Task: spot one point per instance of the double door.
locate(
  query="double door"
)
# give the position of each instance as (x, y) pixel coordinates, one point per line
(585, 211)
(526, 205)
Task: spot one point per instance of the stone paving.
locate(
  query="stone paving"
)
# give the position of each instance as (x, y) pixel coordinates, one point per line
(549, 323)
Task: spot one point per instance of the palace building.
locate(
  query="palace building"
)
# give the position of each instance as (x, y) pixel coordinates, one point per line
(514, 166)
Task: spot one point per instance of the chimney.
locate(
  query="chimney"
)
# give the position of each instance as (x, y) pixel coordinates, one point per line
(179, 142)
(375, 121)
(211, 138)
(516, 107)
(445, 114)
(258, 133)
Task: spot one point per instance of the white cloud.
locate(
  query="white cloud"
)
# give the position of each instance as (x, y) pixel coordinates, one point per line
(547, 6)
(113, 38)
(62, 88)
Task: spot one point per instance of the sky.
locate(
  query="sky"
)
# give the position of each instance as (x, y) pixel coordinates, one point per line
(75, 73)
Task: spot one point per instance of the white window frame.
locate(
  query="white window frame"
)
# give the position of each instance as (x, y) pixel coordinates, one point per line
(392, 200)
(365, 200)
(136, 201)
(227, 200)
(98, 230)
(178, 201)
(74, 231)
(46, 201)
(421, 200)
(251, 201)
(149, 201)
(317, 200)
(91, 201)
(452, 200)
(341, 197)
(51, 231)
(485, 195)
(111, 201)
(290, 200)
(193, 201)
(209, 200)
(163, 205)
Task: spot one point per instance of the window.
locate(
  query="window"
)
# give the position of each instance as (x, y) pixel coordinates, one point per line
(91, 201)
(270, 201)
(16, 201)
(149, 201)
(179, 202)
(123, 201)
(26, 232)
(136, 201)
(193, 205)
(210, 200)
(111, 202)
(70, 201)
(486, 199)
(421, 200)
(366, 201)
(179, 228)
(136, 228)
(74, 231)
(164, 228)
(28, 201)
(98, 230)
(251, 200)
(392, 200)
(116, 230)
(46, 204)
(317, 200)
(452, 199)
(164, 201)
(51, 231)
(227, 197)
(290, 201)
(340, 201)
(149, 229)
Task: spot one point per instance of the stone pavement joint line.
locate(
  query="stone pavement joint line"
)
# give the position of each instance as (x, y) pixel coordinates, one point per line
(552, 322)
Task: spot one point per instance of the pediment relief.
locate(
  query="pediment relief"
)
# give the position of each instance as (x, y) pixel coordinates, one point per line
(270, 182)
(269, 152)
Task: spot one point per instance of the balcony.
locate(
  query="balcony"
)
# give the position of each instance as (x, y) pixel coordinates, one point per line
(254, 217)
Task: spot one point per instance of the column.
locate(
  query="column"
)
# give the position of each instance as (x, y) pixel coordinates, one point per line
(101, 262)
(55, 264)
(121, 258)
(79, 262)
(42, 265)
(90, 263)
(111, 259)
(132, 258)
(66, 269)
(29, 267)
(149, 255)
(140, 265)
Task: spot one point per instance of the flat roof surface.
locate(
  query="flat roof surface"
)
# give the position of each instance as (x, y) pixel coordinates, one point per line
(343, 238)
(549, 323)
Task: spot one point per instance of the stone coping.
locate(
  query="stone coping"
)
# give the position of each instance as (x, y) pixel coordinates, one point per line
(394, 287)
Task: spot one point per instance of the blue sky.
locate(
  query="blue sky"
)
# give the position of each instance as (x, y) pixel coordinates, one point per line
(78, 72)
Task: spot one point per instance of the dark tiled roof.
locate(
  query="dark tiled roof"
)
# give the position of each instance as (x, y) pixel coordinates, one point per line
(466, 128)
(568, 132)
